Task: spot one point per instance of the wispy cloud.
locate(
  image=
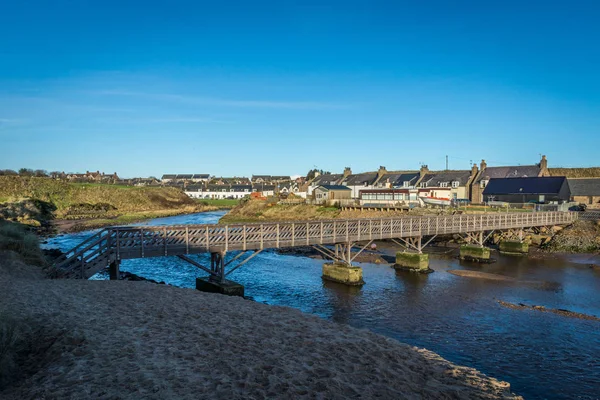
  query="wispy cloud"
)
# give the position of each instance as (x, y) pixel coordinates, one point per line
(213, 101)
(170, 120)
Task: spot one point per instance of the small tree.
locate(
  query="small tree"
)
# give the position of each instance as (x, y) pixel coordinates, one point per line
(41, 173)
(26, 172)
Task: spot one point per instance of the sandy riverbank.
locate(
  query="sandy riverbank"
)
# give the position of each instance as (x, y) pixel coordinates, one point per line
(103, 339)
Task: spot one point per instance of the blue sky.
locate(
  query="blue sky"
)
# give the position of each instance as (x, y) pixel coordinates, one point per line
(146, 88)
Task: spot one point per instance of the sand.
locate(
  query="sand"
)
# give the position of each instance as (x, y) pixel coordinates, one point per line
(130, 340)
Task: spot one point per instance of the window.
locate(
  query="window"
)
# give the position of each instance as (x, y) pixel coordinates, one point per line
(455, 184)
(423, 184)
(444, 184)
(484, 183)
(406, 184)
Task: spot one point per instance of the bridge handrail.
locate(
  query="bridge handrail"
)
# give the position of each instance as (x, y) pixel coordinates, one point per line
(77, 251)
(286, 222)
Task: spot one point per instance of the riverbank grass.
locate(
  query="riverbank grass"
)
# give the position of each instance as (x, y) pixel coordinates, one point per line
(15, 237)
(221, 203)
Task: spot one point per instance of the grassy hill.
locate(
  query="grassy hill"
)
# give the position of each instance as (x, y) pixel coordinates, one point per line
(30, 199)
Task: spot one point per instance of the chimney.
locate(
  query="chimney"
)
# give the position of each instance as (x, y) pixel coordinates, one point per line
(317, 173)
(474, 170)
(544, 163)
(382, 171)
(347, 171)
(424, 170)
(483, 165)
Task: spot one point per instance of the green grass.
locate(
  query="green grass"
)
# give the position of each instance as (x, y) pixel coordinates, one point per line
(223, 203)
(4, 199)
(64, 195)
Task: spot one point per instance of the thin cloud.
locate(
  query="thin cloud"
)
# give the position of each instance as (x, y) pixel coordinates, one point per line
(213, 101)
(166, 120)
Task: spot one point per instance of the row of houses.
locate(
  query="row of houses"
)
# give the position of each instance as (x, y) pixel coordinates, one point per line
(235, 191)
(400, 186)
(94, 177)
(184, 179)
(462, 185)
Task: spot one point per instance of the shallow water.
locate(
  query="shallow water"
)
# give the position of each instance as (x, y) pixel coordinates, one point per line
(542, 355)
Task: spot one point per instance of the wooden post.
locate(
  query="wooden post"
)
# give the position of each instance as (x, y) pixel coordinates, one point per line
(244, 237)
(165, 239)
(293, 233)
(322, 232)
(207, 239)
(347, 232)
(307, 230)
(142, 240)
(114, 270)
(187, 240)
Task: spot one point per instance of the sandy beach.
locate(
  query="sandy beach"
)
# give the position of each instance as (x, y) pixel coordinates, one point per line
(123, 339)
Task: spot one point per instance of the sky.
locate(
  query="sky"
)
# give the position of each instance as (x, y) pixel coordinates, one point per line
(144, 88)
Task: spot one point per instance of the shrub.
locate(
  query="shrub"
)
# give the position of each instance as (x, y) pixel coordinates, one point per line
(16, 238)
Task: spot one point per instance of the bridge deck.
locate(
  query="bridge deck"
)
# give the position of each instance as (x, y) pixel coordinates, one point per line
(144, 241)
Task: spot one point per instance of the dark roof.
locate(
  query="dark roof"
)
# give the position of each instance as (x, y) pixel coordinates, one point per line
(201, 176)
(241, 188)
(335, 187)
(533, 185)
(184, 176)
(521, 171)
(263, 187)
(366, 178)
(398, 178)
(281, 178)
(435, 179)
(194, 188)
(584, 187)
(327, 179)
(169, 176)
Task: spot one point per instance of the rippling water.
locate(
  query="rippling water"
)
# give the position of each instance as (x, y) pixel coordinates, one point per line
(542, 355)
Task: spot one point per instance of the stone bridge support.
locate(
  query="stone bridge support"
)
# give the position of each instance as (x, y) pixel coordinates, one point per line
(474, 250)
(412, 258)
(341, 269)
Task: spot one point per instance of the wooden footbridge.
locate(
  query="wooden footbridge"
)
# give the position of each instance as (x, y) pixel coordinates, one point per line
(332, 238)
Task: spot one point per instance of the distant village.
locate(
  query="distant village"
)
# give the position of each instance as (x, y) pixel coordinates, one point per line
(537, 183)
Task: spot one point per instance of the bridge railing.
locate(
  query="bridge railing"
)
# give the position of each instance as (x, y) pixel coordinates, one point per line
(136, 242)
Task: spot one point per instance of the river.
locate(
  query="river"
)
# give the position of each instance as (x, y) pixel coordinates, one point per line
(542, 355)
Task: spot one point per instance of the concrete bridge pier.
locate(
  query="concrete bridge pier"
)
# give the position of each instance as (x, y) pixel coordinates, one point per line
(475, 253)
(510, 247)
(341, 272)
(216, 282)
(412, 258)
(412, 262)
(341, 269)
